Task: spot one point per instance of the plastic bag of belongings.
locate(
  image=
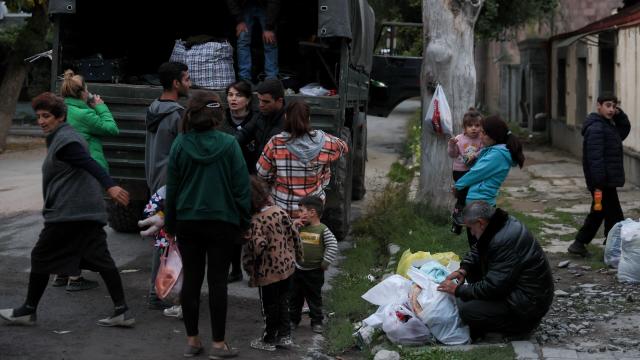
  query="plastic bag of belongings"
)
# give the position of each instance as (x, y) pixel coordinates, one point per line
(411, 309)
(623, 250)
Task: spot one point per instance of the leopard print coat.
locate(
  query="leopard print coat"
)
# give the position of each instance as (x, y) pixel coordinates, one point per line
(272, 247)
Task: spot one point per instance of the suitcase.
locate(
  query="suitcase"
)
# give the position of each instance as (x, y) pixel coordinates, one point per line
(97, 69)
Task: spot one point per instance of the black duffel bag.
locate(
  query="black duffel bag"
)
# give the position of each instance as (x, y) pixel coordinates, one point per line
(97, 69)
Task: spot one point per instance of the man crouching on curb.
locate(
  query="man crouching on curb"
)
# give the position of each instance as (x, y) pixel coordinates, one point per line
(509, 282)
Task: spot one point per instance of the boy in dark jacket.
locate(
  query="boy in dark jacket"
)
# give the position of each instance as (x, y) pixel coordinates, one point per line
(602, 163)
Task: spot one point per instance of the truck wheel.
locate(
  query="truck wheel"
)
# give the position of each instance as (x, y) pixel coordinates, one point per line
(359, 163)
(125, 219)
(337, 213)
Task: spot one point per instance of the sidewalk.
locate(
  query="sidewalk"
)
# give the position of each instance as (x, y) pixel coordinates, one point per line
(593, 316)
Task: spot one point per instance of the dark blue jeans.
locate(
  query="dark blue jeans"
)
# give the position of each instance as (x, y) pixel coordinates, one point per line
(251, 14)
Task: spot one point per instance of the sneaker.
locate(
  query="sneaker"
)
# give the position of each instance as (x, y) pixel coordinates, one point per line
(578, 248)
(7, 315)
(191, 351)
(174, 311)
(317, 328)
(262, 345)
(305, 308)
(80, 284)
(233, 277)
(60, 281)
(122, 320)
(285, 342)
(158, 304)
(225, 353)
(456, 229)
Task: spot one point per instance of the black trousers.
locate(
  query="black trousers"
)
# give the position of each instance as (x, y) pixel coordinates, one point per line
(307, 285)
(201, 243)
(236, 255)
(66, 247)
(484, 316)
(275, 309)
(461, 195)
(611, 213)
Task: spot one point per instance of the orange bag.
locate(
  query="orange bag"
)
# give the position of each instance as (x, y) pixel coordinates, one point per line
(169, 279)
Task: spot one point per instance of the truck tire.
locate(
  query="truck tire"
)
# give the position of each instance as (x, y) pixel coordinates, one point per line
(125, 219)
(359, 163)
(337, 213)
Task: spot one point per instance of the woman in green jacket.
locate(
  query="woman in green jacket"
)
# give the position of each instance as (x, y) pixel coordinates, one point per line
(88, 115)
(91, 118)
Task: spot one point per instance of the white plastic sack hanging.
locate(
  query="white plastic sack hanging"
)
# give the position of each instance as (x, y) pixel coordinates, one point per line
(439, 114)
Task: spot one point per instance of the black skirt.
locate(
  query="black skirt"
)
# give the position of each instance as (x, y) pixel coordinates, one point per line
(65, 248)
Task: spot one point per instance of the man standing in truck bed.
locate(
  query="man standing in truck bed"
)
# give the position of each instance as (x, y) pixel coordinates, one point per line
(163, 125)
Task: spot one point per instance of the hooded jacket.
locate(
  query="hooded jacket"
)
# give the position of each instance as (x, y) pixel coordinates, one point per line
(299, 167)
(487, 175)
(207, 179)
(602, 153)
(162, 123)
(91, 123)
(507, 263)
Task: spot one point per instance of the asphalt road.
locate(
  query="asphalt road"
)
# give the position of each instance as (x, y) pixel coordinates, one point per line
(66, 326)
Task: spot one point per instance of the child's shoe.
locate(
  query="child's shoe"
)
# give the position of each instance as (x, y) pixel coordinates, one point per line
(317, 328)
(262, 345)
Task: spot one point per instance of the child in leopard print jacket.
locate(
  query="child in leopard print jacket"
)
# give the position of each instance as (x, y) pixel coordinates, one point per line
(269, 258)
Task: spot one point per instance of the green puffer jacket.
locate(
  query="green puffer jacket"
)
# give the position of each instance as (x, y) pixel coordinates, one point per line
(91, 123)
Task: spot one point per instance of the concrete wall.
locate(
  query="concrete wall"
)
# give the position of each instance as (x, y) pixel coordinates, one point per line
(628, 80)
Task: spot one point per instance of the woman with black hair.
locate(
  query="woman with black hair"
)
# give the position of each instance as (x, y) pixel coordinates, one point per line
(207, 206)
(502, 150)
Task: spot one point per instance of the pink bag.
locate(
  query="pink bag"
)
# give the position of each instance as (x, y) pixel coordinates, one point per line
(169, 278)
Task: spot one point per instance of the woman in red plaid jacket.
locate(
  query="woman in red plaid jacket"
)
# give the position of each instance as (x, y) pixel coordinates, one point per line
(296, 162)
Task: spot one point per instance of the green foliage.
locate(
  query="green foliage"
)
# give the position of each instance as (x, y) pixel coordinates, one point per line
(489, 352)
(23, 5)
(8, 36)
(499, 16)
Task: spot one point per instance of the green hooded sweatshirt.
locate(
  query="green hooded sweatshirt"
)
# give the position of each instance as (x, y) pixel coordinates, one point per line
(91, 123)
(207, 179)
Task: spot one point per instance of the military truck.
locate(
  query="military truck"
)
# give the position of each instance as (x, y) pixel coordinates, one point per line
(119, 45)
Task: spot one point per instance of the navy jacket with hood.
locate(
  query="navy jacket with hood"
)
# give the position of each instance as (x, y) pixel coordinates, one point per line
(602, 154)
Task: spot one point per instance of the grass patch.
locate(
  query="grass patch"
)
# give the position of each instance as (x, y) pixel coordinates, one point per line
(399, 173)
(489, 352)
(390, 219)
(414, 136)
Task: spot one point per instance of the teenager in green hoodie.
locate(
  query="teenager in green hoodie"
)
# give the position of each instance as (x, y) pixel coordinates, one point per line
(207, 206)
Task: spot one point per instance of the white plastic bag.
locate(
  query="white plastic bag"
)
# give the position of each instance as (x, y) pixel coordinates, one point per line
(409, 332)
(629, 266)
(440, 314)
(392, 290)
(439, 114)
(314, 89)
(612, 249)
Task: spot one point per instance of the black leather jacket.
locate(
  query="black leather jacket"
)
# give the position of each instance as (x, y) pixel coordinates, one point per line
(507, 263)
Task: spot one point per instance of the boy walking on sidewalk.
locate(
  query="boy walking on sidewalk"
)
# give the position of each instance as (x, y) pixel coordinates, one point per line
(603, 165)
(320, 249)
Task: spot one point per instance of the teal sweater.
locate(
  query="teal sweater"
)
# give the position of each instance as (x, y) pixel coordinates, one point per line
(207, 179)
(487, 174)
(91, 123)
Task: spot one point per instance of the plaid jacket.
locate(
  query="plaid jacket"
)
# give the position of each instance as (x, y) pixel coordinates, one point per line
(292, 179)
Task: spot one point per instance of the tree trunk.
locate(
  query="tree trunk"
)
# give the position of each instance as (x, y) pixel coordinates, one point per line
(30, 40)
(448, 60)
